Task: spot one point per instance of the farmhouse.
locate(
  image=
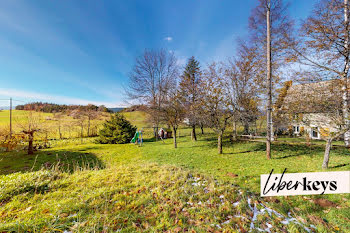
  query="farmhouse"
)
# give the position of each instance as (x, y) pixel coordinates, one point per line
(314, 109)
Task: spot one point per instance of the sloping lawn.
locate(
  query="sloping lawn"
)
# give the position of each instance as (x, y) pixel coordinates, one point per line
(243, 162)
(128, 194)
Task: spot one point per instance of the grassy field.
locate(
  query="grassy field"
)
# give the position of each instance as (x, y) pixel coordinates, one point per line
(70, 127)
(17, 116)
(117, 188)
(90, 187)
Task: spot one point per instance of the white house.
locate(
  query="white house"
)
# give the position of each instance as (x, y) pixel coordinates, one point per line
(314, 108)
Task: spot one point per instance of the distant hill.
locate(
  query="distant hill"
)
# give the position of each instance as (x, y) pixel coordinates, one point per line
(115, 109)
(51, 107)
(4, 108)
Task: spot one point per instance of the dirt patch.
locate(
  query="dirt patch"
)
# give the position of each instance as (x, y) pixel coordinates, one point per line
(272, 199)
(230, 174)
(324, 203)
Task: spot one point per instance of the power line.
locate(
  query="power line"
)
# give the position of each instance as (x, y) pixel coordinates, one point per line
(13, 100)
(20, 101)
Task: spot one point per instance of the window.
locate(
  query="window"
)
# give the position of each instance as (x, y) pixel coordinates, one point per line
(296, 129)
(314, 133)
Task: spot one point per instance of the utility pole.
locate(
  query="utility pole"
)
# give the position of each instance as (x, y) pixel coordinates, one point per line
(269, 82)
(10, 117)
(345, 76)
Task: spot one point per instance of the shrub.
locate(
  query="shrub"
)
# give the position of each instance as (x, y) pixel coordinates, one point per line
(117, 130)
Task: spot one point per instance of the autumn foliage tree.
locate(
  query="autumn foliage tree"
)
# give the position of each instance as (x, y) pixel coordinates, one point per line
(271, 33)
(281, 119)
(323, 47)
(173, 112)
(243, 85)
(318, 106)
(215, 101)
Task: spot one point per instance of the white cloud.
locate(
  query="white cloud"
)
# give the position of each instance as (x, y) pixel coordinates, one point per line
(35, 96)
(168, 38)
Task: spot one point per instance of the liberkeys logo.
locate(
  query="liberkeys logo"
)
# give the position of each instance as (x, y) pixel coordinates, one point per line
(313, 183)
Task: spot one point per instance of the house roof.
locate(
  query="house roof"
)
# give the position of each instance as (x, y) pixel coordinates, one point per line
(316, 97)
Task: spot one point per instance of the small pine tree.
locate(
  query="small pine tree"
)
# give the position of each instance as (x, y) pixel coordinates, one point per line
(190, 91)
(117, 130)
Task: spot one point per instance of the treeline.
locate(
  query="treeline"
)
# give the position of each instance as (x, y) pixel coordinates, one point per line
(52, 108)
(241, 88)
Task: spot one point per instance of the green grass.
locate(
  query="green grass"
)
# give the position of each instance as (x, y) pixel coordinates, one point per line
(247, 161)
(127, 193)
(18, 116)
(138, 118)
(90, 187)
(70, 127)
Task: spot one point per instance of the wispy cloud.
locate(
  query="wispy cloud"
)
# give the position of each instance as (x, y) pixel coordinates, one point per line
(169, 38)
(35, 96)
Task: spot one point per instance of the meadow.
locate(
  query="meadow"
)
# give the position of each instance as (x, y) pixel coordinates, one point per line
(88, 187)
(49, 125)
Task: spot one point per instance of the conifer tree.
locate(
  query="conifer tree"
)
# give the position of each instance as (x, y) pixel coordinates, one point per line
(190, 92)
(117, 130)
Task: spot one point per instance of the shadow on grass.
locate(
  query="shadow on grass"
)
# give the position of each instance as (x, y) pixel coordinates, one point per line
(340, 165)
(65, 161)
(153, 139)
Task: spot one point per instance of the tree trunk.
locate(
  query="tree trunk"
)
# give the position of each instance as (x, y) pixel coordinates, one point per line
(174, 136)
(308, 139)
(59, 131)
(202, 128)
(269, 84)
(193, 134)
(246, 128)
(30, 144)
(234, 136)
(81, 134)
(220, 143)
(255, 128)
(88, 129)
(326, 153)
(345, 78)
(156, 133)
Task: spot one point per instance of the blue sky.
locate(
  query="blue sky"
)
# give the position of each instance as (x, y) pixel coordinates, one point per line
(79, 52)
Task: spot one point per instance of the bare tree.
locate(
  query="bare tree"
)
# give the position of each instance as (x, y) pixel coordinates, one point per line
(243, 86)
(59, 116)
(271, 32)
(215, 100)
(151, 78)
(30, 125)
(173, 112)
(318, 107)
(80, 118)
(90, 115)
(324, 47)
